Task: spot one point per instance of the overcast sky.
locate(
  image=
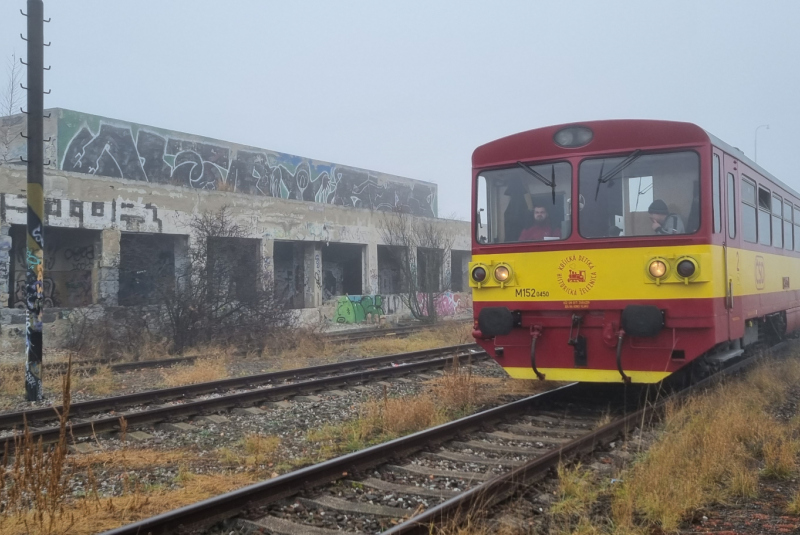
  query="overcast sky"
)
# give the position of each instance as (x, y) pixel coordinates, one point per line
(411, 88)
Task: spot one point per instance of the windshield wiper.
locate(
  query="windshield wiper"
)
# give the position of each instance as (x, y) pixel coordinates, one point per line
(542, 178)
(603, 178)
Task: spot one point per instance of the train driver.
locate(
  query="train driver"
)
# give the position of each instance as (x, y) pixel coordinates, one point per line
(541, 228)
(663, 221)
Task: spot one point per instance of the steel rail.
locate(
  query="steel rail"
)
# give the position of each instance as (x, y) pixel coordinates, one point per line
(338, 337)
(505, 485)
(229, 504)
(225, 506)
(229, 401)
(116, 403)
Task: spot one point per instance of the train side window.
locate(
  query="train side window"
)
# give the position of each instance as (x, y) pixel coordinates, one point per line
(749, 226)
(787, 225)
(796, 228)
(764, 206)
(777, 221)
(731, 206)
(716, 195)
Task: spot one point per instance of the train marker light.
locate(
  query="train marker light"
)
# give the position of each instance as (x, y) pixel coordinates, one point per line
(502, 273)
(657, 269)
(479, 274)
(686, 268)
(573, 137)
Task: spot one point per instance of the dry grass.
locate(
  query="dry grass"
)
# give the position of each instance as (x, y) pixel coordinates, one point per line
(444, 334)
(212, 368)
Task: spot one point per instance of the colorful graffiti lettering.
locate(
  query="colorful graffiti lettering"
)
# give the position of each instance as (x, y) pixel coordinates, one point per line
(98, 146)
(359, 309)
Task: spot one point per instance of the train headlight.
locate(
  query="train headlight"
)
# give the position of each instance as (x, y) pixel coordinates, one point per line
(479, 274)
(686, 268)
(657, 268)
(573, 137)
(502, 273)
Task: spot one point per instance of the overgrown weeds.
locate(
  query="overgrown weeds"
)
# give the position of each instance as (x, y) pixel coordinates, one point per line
(33, 485)
(203, 370)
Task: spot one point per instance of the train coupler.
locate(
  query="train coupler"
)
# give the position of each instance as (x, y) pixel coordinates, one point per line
(625, 378)
(536, 332)
(577, 341)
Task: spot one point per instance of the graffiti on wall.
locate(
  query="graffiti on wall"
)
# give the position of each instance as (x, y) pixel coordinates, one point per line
(124, 214)
(448, 303)
(68, 266)
(352, 309)
(359, 309)
(97, 146)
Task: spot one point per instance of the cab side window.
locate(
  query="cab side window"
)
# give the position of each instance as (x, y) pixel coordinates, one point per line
(749, 226)
(731, 206)
(764, 209)
(715, 186)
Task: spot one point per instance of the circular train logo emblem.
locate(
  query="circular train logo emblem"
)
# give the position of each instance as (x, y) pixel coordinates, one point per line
(576, 275)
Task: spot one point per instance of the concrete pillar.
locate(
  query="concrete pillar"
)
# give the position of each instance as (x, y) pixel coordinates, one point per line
(267, 263)
(369, 281)
(5, 265)
(312, 269)
(107, 272)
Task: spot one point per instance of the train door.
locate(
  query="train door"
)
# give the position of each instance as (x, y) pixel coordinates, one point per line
(732, 240)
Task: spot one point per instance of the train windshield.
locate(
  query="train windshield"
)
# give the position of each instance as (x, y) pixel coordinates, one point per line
(525, 203)
(640, 195)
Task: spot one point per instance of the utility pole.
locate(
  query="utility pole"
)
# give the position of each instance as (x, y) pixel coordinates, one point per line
(35, 232)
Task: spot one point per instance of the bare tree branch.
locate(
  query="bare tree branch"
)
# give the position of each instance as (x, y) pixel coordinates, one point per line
(422, 249)
(12, 96)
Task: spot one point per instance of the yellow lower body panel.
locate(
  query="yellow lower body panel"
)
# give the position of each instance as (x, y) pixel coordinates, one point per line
(587, 375)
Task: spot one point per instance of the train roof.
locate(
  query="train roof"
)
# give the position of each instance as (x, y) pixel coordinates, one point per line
(616, 135)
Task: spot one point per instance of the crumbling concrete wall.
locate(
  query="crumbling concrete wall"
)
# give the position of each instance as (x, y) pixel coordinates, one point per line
(95, 182)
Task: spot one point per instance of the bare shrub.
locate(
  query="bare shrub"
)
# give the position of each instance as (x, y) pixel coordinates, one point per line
(221, 294)
(121, 333)
(419, 246)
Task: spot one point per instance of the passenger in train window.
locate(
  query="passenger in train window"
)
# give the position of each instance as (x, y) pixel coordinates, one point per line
(541, 229)
(663, 221)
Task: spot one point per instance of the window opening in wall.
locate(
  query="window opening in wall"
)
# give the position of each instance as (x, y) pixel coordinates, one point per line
(146, 267)
(429, 269)
(459, 263)
(390, 269)
(287, 260)
(749, 218)
(71, 259)
(787, 225)
(342, 269)
(233, 266)
(764, 208)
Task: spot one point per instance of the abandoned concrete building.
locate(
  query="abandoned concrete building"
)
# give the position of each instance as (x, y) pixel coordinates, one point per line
(115, 189)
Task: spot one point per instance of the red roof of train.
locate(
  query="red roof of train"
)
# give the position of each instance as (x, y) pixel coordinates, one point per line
(613, 135)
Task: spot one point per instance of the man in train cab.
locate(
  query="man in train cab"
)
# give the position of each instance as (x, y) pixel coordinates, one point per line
(541, 228)
(664, 222)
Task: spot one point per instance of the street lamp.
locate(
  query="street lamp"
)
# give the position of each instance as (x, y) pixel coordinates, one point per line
(755, 148)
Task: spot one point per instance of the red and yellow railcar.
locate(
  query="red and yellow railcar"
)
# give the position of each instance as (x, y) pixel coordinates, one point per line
(616, 251)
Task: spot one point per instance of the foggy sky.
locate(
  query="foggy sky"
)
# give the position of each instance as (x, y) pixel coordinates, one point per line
(411, 88)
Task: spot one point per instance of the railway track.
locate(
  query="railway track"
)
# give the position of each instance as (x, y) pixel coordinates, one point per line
(430, 477)
(95, 416)
(89, 366)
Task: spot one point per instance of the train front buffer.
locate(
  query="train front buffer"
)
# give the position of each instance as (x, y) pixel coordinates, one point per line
(602, 315)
